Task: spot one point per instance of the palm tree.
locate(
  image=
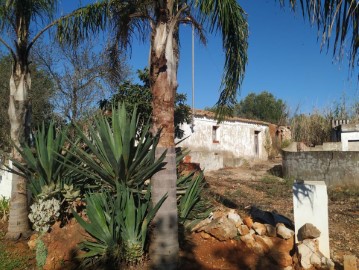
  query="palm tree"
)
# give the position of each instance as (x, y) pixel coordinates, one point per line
(336, 19)
(16, 19)
(162, 18)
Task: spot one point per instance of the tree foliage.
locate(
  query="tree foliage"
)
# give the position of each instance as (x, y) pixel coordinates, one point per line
(139, 95)
(81, 75)
(263, 106)
(40, 95)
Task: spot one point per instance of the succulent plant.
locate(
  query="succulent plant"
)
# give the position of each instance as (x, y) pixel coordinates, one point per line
(43, 213)
(48, 191)
(70, 194)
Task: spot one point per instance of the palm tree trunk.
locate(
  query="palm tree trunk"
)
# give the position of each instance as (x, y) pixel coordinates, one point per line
(19, 114)
(163, 77)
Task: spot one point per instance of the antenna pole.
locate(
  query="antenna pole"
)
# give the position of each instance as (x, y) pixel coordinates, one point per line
(192, 126)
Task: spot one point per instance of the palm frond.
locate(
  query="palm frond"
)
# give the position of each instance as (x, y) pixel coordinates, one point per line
(121, 18)
(336, 19)
(230, 19)
(83, 22)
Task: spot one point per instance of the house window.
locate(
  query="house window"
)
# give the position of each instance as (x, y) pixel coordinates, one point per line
(215, 136)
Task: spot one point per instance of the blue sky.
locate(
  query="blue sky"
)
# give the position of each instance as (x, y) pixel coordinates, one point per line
(284, 59)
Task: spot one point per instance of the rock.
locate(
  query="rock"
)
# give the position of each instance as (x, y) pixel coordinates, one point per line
(283, 231)
(205, 235)
(259, 228)
(243, 230)
(315, 260)
(248, 221)
(305, 252)
(32, 242)
(201, 224)
(248, 240)
(308, 231)
(221, 228)
(232, 215)
(264, 239)
(328, 264)
(217, 214)
(283, 259)
(271, 230)
(263, 244)
(285, 246)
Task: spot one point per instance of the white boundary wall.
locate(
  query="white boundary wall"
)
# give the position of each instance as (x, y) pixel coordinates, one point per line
(5, 182)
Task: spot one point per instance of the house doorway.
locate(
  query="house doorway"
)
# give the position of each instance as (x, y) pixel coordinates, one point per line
(256, 142)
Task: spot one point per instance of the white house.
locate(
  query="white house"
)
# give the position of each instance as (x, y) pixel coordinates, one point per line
(217, 145)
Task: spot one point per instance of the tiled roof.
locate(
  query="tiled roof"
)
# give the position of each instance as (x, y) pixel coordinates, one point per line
(208, 114)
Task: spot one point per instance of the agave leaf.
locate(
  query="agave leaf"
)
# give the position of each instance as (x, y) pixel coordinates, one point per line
(113, 154)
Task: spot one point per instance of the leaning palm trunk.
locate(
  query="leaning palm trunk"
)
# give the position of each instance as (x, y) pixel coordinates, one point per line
(163, 76)
(20, 121)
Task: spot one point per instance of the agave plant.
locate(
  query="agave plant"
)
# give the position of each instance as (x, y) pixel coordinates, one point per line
(190, 205)
(45, 164)
(117, 150)
(102, 226)
(134, 217)
(118, 224)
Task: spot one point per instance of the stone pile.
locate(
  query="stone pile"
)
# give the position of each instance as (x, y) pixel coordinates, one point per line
(308, 249)
(275, 242)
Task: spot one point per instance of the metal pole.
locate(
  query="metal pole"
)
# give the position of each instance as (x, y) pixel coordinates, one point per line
(192, 78)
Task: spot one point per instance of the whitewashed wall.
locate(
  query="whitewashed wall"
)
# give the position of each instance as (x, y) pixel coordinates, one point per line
(236, 141)
(350, 141)
(5, 183)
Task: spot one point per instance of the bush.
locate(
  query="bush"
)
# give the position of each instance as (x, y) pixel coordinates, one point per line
(4, 208)
(311, 129)
(41, 253)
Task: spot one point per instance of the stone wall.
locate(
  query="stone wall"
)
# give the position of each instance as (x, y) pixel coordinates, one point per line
(333, 167)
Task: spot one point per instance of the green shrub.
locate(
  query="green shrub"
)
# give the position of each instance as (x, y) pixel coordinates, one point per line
(4, 208)
(41, 253)
(285, 144)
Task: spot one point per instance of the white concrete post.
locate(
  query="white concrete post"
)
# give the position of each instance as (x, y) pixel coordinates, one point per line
(310, 201)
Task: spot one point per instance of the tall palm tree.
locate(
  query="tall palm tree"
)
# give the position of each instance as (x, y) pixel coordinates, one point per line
(162, 18)
(18, 20)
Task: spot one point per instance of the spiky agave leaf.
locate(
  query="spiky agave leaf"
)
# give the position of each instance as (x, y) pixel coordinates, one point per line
(114, 155)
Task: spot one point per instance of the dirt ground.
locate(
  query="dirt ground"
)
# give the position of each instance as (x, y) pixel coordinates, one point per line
(261, 185)
(257, 184)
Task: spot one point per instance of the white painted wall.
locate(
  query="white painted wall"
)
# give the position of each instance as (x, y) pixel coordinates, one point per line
(5, 182)
(349, 136)
(235, 140)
